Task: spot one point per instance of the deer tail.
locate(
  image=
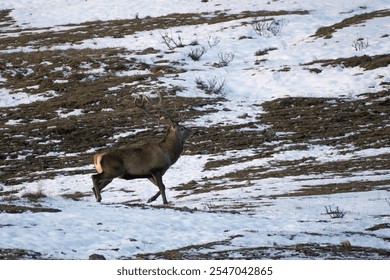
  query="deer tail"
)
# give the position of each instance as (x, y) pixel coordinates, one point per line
(97, 159)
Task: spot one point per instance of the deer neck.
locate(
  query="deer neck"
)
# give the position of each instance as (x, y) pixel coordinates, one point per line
(172, 146)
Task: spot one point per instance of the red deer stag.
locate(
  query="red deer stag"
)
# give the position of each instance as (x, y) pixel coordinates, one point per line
(150, 160)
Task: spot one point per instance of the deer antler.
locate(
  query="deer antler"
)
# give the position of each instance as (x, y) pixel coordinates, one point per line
(141, 101)
(174, 117)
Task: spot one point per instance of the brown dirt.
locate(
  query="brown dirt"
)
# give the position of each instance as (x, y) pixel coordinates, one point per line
(19, 254)
(366, 62)
(40, 130)
(17, 209)
(363, 123)
(327, 31)
(41, 142)
(295, 123)
(298, 251)
(121, 28)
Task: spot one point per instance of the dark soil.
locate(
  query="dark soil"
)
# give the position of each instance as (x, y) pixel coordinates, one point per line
(36, 142)
(120, 28)
(327, 31)
(298, 251)
(19, 254)
(17, 209)
(295, 123)
(366, 62)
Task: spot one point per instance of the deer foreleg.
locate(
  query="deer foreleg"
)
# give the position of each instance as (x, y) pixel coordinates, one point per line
(157, 180)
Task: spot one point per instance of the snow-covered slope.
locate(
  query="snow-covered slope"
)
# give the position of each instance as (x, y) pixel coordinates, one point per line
(220, 201)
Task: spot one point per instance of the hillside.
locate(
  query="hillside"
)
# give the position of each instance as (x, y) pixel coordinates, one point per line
(289, 105)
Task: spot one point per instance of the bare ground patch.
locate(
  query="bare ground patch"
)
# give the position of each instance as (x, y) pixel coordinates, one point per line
(121, 28)
(327, 31)
(298, 251)
(19, 254)
(346, 126)
(363, 123)
(17, 209)
(89, 106)
(90, 102)
(366, 62)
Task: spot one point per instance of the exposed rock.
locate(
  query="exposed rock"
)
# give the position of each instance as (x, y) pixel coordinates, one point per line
(96, 257)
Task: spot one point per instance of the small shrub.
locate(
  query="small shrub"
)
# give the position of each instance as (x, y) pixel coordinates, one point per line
(224, 59)
(194, 43)
(196, 53)
(74, 196)
(35, 196)
(360, 44)
(211, 86)
(334, 213)
(213, 41)
(171, 42)
(268, 27)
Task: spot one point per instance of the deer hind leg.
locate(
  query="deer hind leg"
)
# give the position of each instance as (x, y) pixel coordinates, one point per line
(108, 168)
(98, 185)
(157, 180)
(153, 198)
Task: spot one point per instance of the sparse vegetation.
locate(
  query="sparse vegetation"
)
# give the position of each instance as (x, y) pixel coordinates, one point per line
(102, 82)
(35, 196)
(196, 53)
(17, 209)
(360, 44)
(327, 31)
(224, 59)
(172, 41)
(213, 41)
(9, 196)
(367, 62)
(268, 27)
(194, 42)
(264, 51)
(19, 254)
(211, 86)
(334, 213)
(75, 196)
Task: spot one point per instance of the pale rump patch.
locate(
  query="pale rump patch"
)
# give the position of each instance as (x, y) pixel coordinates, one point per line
(97, 158)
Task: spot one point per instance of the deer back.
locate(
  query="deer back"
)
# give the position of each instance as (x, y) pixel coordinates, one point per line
(143, 159)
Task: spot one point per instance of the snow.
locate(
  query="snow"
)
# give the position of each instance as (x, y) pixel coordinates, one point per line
(11, 99)
(117, 230)
(44, 13)
(84, 228)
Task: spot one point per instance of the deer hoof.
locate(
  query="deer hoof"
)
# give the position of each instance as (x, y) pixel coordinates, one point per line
(97, 194)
